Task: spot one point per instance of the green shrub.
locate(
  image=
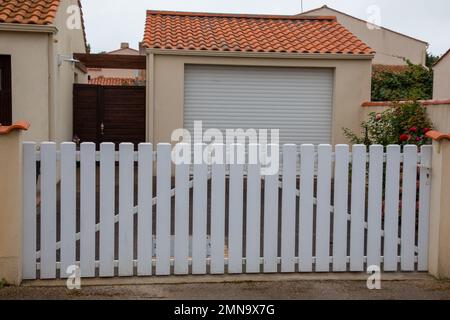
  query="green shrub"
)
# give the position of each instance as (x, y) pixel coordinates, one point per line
(414, 83)
(2, 283)
(405, 123)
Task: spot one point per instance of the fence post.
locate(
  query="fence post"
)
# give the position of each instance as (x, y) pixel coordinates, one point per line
(11, 202)
(439, 242)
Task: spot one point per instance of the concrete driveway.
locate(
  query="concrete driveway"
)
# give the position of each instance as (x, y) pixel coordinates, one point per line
(261, 287)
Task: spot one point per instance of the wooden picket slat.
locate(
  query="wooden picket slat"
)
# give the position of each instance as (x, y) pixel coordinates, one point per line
(375, 198)
(307, 166)
(323, 209)
(340, 208)
(358, 208)
(29, 210)
(218, 213)
(107, 205)
(163, 207)
(236, 219)
(68, 206)
(87, 209)
(145, 209)
(409, 190)
(424, 206)
(271, 193)
(48, 210)
(288, 208)
(199, 217)
(182, 214)
(253, 263)
(391, 211)
(126, 204)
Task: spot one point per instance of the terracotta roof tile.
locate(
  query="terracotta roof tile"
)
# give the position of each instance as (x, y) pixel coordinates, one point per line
(19, 125)
(250, 33)
(40, 12)
(391, 103)
(113, 81)
(438, 136)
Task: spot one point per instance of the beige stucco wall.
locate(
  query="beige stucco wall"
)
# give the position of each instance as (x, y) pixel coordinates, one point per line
(389, 46)
(441, 86)
(166, 88)
(33, 58)
(29, 73)
(11, 207)
(440, 116)
(67, 42)
(439, 242)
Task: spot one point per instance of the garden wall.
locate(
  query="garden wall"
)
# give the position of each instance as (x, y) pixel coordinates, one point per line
(438, 111)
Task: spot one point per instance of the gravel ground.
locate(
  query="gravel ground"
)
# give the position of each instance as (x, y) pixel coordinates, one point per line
(428, 289)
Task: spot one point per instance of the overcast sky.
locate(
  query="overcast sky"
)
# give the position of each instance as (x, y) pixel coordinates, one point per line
(109, 22)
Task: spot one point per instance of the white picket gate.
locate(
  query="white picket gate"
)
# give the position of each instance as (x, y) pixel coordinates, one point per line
(353, 209)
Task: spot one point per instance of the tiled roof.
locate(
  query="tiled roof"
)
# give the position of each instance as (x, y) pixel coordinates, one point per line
(40, 12)
(112, 81)
(250, 33)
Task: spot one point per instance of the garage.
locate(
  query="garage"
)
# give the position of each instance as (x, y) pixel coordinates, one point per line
(306, 76)
(297, 101)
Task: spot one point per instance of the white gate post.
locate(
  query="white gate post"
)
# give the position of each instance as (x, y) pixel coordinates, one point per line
(11, 202)
(439, 242)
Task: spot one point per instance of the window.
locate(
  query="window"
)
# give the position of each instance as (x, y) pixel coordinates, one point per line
(5, 90)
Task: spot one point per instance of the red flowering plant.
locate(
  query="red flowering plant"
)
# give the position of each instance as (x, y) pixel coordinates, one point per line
(403, 123)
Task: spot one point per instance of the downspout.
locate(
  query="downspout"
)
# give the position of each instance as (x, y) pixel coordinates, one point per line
(150, 83)
(51, 88)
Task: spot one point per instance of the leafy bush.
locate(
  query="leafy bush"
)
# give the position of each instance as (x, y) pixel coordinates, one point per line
(3, 283)
(414, 83)
(403, 123)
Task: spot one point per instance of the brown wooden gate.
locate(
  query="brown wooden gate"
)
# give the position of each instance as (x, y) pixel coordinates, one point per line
(109, 113)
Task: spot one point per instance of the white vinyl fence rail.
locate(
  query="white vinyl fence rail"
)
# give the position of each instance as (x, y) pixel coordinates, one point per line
(329, 210)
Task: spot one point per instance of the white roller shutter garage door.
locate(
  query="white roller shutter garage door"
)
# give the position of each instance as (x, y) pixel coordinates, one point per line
(297, 101)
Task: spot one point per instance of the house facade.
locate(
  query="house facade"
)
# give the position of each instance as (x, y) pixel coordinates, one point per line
(105, 76)
(391, 47)
(260, 72)
(37, 41)
(441, 83)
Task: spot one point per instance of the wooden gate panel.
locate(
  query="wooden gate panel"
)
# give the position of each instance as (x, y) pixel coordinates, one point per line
(124, 114)
(85, 112)
(220, 203)
(109, 113)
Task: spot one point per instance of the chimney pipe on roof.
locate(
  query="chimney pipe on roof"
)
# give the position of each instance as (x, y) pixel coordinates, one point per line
(124, 45)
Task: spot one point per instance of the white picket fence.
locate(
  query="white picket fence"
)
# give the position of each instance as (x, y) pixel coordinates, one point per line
(351, 210)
